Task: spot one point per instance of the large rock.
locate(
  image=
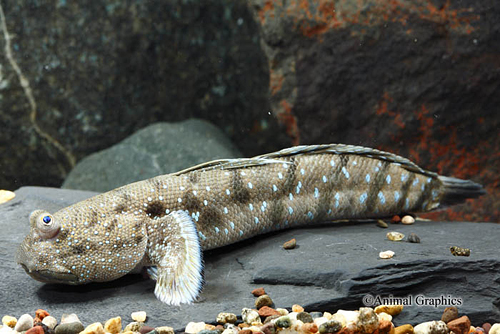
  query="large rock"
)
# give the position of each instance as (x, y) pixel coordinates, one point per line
(157, 149)
(334, 267)
(100, 71)
(418, 78)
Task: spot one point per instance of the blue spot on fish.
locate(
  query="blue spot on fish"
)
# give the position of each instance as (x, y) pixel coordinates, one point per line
(381, 197)
(290, 210)
(367, 178)
(388, 179)
(404, 177)
(396, 195)
(316, 192)
(256, 219)
(310, 215)
(346, 173)
(362, 198)
(275, 188)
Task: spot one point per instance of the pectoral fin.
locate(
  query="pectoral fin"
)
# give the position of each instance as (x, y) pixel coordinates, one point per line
(178, 260)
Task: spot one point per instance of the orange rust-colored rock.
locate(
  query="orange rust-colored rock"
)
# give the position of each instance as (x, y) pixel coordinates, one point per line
(460, 325)
(258, 292)
(35, 330)
(310, 328)
(297, 308)
(266, 311)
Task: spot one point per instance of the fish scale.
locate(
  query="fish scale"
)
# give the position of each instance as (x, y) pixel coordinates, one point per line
(164, 223)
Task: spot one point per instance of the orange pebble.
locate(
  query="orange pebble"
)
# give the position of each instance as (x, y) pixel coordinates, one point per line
(297, 308)
(258, 292)
(40, 314)
(35, 330)
(310, 328)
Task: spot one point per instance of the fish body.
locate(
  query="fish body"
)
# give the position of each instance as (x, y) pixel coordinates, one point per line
(164, 223)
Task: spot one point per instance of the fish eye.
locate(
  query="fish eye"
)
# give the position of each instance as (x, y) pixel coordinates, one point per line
(45, 225)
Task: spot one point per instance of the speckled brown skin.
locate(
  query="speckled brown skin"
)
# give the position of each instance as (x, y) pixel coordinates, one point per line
(109, 235)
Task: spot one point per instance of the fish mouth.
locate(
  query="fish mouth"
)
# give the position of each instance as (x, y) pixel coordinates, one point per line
(49, 276)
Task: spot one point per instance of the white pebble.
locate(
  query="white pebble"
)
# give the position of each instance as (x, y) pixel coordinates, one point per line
(7, 330)
(164, 330)
(384, 316)
(68, 318)
(495, 329)
(349, 316)
(250, 316)
(432, 327)
(407, 220)
(49, 321)
(139, 316)
(194, 327)
(24, 323)
(386, 255)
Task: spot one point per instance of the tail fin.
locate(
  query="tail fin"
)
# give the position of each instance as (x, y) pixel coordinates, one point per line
(456, 191)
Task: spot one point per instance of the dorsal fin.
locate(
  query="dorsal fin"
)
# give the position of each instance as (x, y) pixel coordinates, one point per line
(273, 157)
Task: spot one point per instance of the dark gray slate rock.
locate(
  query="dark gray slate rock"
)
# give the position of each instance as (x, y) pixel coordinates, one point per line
(139, 62)
(157, 149)
(332, 268)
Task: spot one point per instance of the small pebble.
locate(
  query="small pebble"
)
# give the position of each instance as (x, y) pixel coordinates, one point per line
(384, 316)
(67, 318)
(495, 329)
(449, 314)
(331, 326)
(304, 317)
(408, 220)
(133, 327)
(245, 331)
(95, 328)
(164, 330)
(40, 314)
(309, 328)
(290, 244)
(459, 251)
(315, 315)
(389, 309)
(270, 318)
(346, 316)
(50, 322)
(139, 316)
(367, 320)
(395, 236)
(250, 316)
(395, 219)
(268, 328)
(258, 292)
(413, 238)
(225, 318)
(69, 328)
(263, 300)
(381, 223)
(386, 255)
(404, 329)
(6, 196)
(283, 322)
(207, 331)
(147, 329)
(460, 325)
(385, 326)
(231, 330)
(282, 311)
(431, 327)
(35, 330)
(266, 311)
(194, 327)
(24, 323)
(487, 327)
(297, 308)
(113, 325)
(9, 321)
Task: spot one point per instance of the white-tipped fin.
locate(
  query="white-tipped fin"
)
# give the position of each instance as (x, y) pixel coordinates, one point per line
(178, 275)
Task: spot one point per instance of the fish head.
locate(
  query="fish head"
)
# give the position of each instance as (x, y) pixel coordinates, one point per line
(77, 246)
